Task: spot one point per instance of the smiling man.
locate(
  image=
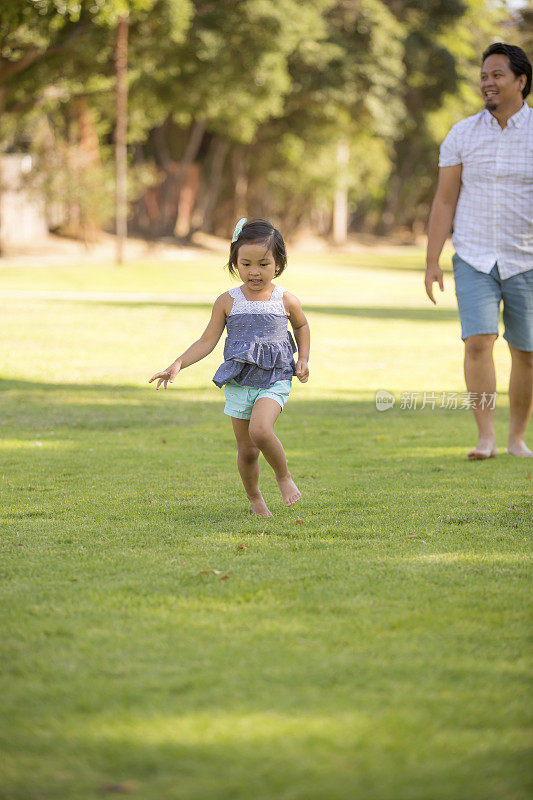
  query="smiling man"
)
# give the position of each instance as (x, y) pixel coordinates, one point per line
(485, 191)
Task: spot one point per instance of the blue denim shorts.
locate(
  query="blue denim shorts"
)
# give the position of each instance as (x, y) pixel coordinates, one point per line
(240, 399)
(479, 296)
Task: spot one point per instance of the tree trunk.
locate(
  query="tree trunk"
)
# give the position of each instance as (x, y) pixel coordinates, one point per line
(218, 151)
(340, 204)
(120, 135)
(72, 224)
(389, 217)
(240, 178)
(87, 156)
(191, 151)
(2, 95)
(164, 222)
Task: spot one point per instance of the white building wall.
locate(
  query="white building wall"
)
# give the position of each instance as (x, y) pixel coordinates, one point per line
(22, 212)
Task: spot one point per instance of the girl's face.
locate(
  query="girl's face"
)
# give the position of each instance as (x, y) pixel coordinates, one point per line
(256, 266)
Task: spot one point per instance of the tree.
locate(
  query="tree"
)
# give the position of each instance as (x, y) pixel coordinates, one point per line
(442, 47)
(345, 89)
(228, 77)
(59, 56)
(121, 126)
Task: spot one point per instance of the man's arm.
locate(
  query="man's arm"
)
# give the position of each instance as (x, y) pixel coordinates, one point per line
(440, 224)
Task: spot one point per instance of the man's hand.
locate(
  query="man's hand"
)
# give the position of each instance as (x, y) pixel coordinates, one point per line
(302, 370)
(433, 274)
(167, 376)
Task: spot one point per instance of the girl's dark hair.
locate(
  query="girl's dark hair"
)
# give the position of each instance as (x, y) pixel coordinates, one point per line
(259, 231)
(518, 61)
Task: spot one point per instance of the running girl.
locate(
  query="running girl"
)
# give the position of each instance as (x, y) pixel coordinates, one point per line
(258, 354)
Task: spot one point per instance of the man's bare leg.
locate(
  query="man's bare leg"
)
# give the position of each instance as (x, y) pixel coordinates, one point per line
(248, 464)
(480, 378)
(520, 401)
(264, 415)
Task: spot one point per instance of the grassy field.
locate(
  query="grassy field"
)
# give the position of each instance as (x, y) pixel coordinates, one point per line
(159, 641)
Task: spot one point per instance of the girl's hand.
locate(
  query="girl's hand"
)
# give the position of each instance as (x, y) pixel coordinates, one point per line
(167, 376)
(302, 370)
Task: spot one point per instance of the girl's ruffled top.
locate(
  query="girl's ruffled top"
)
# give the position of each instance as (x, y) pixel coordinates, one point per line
(259, 347)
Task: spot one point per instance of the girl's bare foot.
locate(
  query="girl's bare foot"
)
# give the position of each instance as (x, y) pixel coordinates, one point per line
(486, 448)
(520, 449)
(259, 506)
(289, 490)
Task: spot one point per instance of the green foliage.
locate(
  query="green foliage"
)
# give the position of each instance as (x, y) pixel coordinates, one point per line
(232, 68)
(334, 97)
(283, 82)
(443, 47)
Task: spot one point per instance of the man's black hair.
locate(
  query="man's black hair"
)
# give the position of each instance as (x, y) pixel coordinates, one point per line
(259, 231)
(518, 61)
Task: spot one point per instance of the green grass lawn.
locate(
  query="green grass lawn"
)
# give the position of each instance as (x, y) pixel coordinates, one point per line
(159, 641)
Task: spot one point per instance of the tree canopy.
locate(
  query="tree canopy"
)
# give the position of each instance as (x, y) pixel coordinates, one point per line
(259, 97)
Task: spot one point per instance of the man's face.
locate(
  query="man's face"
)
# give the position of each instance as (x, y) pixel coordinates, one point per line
(500, 87)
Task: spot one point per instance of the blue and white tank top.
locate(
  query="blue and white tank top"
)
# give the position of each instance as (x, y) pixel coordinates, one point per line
(259, 348)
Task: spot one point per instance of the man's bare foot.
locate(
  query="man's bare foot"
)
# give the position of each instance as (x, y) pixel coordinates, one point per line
(520, 449)
(289, 490)
(486, 448)
(259, 506)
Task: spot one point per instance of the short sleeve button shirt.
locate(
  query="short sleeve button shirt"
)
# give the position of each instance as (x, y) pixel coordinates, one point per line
(494, 216)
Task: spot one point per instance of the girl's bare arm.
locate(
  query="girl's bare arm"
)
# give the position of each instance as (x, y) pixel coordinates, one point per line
(302, 334)
(199, 349)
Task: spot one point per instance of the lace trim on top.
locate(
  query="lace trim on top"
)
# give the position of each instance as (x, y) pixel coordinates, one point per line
(243, 306)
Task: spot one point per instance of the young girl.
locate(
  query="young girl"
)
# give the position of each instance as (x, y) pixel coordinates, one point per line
(259, 365)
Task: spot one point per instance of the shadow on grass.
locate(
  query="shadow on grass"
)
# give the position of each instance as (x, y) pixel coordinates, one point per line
(402, 262)
(322, 428)
(408, 314)
(360, 312)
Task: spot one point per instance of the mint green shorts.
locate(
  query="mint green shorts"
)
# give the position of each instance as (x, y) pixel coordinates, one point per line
(240, 399)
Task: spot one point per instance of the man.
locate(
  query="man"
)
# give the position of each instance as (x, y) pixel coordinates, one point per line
(485, 189)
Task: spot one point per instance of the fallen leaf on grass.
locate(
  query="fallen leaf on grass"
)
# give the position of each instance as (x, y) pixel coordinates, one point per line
(241, 546)
(224, 577)
(73, 580)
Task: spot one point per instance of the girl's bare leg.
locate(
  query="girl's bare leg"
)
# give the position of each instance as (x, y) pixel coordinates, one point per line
(248, 464)
(264, 414)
